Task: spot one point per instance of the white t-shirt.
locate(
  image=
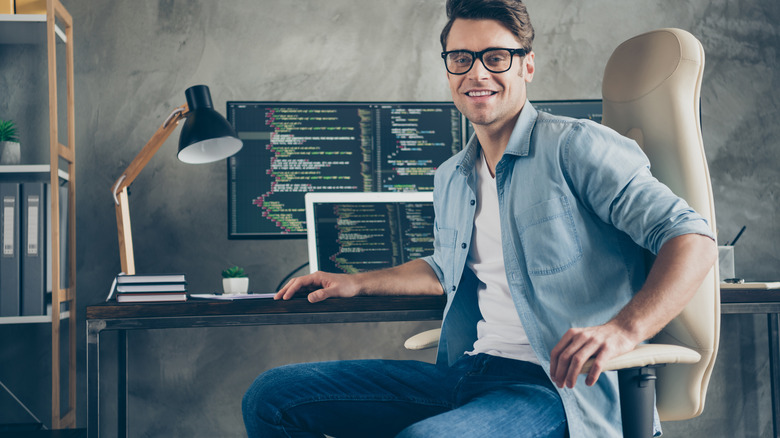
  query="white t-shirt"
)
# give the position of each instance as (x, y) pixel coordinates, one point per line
(500, 332)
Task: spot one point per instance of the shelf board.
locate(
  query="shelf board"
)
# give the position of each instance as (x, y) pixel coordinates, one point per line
(32, 169)
(26, 29)
(31, 319)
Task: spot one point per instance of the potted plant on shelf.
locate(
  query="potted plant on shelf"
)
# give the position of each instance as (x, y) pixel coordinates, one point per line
(234, 281)
(10, 150)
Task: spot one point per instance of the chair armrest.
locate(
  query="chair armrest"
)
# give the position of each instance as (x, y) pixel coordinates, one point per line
(648, 354)
(421, 341)
(642, 355)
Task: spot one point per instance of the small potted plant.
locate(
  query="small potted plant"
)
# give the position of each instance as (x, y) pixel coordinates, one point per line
(10, 150)
(234, 281)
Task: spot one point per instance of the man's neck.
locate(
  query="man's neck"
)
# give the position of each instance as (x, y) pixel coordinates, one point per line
(494, 141)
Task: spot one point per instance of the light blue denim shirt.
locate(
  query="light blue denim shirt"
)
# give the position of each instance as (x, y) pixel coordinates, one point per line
(577, 205)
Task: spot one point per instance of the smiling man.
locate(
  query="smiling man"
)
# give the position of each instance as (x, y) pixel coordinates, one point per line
(540, 227)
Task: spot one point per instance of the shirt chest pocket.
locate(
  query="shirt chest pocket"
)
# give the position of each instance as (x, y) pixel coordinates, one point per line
(549, 237)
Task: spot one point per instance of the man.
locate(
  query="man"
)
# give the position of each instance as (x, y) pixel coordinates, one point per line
(570, 204)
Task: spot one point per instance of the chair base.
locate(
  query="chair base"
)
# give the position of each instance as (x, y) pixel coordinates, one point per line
(637, 399)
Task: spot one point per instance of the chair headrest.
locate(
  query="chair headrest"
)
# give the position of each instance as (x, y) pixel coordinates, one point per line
(645, 62)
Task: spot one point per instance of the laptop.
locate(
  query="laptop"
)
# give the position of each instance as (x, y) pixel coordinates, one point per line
(350, 232)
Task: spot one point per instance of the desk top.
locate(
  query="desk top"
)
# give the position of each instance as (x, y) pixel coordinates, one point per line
(266, 306)
(430, 305)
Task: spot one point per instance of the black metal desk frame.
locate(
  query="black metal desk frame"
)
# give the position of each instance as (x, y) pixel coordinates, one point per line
(124, 317)
(761, 302)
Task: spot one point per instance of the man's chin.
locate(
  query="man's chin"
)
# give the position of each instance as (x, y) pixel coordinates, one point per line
(480, 119)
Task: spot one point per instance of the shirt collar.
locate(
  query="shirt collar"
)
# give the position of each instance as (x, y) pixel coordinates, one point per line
(519, 142)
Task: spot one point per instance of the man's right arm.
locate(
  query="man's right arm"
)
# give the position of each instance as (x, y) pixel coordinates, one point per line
(411, 278)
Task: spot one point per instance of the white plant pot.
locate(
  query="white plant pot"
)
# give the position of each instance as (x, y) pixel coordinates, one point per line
(238, 285)
(10, 152)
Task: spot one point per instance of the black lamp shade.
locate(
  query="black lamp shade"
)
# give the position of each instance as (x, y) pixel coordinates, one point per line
(206, 135)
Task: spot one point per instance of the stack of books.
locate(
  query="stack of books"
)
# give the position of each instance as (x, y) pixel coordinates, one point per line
(149, 288)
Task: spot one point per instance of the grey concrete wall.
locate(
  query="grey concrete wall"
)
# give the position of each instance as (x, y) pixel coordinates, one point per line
(135, 58)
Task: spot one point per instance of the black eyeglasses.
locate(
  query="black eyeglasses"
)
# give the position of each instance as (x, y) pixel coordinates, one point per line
(495, 60)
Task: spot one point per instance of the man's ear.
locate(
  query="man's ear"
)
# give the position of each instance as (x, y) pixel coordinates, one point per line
(528, 66)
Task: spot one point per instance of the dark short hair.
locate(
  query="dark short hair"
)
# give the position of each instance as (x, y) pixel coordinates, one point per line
(511, 13)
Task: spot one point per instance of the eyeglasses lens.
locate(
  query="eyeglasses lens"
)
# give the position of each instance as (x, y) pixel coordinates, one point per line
(496, 61)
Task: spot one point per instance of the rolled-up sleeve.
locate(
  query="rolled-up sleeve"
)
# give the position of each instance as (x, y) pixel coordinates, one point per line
(612, 177)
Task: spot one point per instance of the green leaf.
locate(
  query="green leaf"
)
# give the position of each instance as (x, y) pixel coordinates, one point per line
(8, 131)
(233, 272)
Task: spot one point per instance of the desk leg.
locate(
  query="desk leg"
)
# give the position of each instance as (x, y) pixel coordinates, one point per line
(773, 330)
(93, 378)
(121, 390)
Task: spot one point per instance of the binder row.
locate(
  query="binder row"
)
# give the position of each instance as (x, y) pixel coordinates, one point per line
(25, 237)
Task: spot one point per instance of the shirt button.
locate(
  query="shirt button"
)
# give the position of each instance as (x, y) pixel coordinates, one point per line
(453, 288)
(473, 202)
(463, 245)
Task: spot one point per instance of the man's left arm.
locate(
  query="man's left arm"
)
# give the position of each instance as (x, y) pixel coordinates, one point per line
(679, 269)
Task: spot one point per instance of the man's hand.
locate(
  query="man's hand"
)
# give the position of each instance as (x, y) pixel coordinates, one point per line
(411, 278)
(321, 284)
(681, 266)
(578, 345)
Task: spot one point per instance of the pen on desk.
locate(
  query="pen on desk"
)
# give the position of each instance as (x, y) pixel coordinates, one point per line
(733, 242)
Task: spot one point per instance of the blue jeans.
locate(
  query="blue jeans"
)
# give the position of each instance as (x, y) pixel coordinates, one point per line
(478, 396)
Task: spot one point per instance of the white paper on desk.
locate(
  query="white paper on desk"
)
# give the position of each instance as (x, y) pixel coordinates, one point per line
(231, 297)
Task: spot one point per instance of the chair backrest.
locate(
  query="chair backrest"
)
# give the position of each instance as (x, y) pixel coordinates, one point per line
(651, 94)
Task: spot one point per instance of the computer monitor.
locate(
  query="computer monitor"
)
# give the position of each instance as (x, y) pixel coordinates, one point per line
(578, 109)
(292, 148)
(359, 232)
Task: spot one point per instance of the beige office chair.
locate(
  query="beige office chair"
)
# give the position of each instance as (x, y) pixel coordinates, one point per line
(651, 94)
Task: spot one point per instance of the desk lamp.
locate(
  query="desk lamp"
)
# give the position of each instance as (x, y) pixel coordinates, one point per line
(205, 137)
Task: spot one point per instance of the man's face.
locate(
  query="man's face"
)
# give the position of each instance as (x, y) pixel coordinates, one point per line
(491, 100)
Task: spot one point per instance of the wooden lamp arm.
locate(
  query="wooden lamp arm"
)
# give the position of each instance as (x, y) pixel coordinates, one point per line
(119, 189)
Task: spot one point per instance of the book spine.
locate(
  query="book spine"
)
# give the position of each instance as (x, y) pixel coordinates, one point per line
(10, 264)
(34, 257)
(150, 279)
(151, 288)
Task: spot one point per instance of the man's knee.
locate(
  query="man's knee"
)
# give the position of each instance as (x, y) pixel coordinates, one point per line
(267, 391)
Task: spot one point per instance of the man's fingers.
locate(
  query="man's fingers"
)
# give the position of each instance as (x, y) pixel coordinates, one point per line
(317, 295)
(555, 356)
(296, 285)
(578, 345)
(594, 373)
(579, 358)
(567, 359)
(570, 345)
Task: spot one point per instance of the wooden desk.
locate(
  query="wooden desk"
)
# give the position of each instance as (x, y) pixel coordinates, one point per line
(123, 317)
(203, 313)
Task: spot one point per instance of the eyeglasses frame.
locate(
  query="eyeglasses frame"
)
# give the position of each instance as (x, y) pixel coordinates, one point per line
(478, 55)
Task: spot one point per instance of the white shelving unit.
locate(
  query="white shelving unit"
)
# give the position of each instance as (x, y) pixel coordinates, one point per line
(26, 29)
(53, 29)
(32, 319)
(30, 169)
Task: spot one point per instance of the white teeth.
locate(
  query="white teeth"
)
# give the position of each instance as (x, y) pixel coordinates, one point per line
(479, 93)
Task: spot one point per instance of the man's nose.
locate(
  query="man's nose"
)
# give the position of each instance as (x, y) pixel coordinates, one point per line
(478, 70)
